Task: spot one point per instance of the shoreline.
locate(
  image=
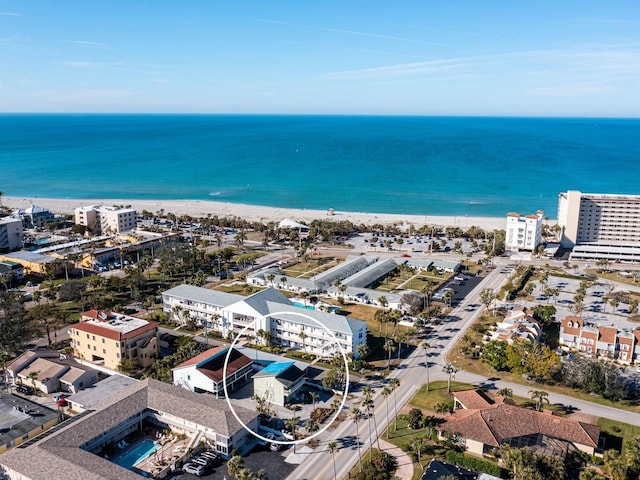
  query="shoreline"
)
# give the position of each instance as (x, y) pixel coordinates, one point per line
(202, 208)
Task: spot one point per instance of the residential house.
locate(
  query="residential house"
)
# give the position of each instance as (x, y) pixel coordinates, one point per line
(605, 341)
(205, 372)
(44, 370)
(481, 424)
(109, 338)
(518, 324)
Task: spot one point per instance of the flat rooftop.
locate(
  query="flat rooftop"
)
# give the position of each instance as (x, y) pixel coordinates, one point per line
(19, 416)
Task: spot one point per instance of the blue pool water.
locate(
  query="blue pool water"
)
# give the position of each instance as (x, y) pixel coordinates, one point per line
(301, 305)
(136, 453)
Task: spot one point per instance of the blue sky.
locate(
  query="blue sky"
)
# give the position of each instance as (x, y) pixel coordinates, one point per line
(422, 57)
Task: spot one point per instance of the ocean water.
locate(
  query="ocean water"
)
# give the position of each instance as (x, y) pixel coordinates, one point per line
(411, 165)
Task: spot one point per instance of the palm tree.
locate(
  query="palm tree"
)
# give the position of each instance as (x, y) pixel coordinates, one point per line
(451, 371)
(311, 426)
(394, 384)
(505, 392)
(540, 397)
(385, 392)
(425, 346)
(314, 399)
(382, 300)
(240, 238)
(332, 447)
(33, 376)
(356, 415)
(369, 405)
(389, 347)
(292, 423)
(303, 338)
(401, 337)
(283, 280)
(442, 408)
(270, 278)
(416, 445)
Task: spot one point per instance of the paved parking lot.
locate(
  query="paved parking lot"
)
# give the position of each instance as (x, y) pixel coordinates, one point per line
(260, 458)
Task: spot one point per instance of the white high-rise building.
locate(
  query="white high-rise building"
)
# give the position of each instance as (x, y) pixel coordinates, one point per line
(103, 220)
(11, 234)
(523, 232)
(600, 225)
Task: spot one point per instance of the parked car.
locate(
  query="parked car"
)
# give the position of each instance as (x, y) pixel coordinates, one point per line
(25, 389)
(274, 447)
(200, 461)
(197, 470)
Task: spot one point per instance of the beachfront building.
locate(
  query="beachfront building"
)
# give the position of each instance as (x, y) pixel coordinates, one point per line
(36, 217)
(482, 423)
(603, 341)
(523, 232)
(269, 317)
(104, 220)
(600, 225)
(204, 372)
(77, 449)
(11, 234)
(108, 338)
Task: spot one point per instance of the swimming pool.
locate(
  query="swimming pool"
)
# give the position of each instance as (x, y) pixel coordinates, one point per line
(136, 453)
(301, 305)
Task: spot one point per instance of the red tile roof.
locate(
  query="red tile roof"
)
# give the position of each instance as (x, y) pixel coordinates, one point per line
(608, 334)
(214, 362)
(577, 323)
(201, 357)
(500, 422)
(95, 329)
(473, 399)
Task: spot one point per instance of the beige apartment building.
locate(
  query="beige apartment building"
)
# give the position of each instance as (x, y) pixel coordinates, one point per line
(600, 225)
(107, 338)
(104, 220)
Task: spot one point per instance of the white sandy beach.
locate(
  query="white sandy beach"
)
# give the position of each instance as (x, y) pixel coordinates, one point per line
(201, 208)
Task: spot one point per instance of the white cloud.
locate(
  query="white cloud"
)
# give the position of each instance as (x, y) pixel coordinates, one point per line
(10, 14)
(87, 43)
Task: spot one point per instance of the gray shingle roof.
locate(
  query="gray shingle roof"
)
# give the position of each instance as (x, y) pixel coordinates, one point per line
(61, 452)
(335, 323)
(204, 295)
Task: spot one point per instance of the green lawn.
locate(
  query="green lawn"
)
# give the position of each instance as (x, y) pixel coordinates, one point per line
(617, 433)
(437, 394)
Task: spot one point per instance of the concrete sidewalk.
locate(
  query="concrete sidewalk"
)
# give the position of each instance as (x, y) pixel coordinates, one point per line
(405, 464)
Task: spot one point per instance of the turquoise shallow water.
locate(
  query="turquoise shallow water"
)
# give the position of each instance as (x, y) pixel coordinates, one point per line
(412, 165)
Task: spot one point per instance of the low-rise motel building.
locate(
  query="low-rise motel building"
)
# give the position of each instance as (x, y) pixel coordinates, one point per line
(107, 338)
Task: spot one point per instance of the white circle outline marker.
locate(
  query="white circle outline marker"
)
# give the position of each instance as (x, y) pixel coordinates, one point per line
(256, 434)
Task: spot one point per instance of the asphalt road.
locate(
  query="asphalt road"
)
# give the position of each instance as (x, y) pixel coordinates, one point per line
(412, 373)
